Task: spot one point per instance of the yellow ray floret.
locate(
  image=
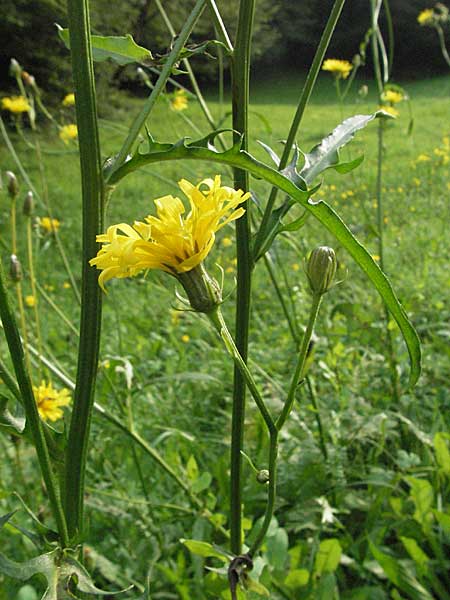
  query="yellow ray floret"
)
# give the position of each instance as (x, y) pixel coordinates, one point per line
(340, 68)
(170, 241)
(426, 17)
(49, 401)
(16, 104)
(392, 96)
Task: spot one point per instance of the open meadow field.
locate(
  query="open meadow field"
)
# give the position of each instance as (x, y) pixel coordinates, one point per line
(138, 467)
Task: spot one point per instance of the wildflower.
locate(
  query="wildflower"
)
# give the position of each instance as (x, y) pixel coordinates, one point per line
(392, 96)
(15, 268)
(426, 17)
(12, 185)
(30, 301)
(227, 242)
(321, 269)
(375, 257)
(185, 338)
(179, 101)
(28, 204)
(66, 285)
(423, 158)
(69, 100)
(49, 225)
(49, 401)
(390, 110)
(340, 68)
(16, 104)
(28, 79)
(68, 132)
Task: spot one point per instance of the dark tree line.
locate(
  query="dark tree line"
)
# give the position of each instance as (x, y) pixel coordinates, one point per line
(286, 33)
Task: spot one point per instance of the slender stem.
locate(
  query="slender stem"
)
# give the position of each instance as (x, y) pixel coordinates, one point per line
(33, 420)
(140, 120)
(442, 44)
(220, 25)
(93, 194)
(240, 99)
(33, 290)
(303, 102)
(57, 310)
(312, 395)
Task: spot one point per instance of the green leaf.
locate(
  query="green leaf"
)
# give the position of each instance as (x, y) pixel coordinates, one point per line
(396, 571)
(327, 557)
(416, 553)
(422, 495)
(326, 154)
(192, 469)
(277, 549)
(204, 150)
(8, 421)
(202, 483)
(257, 588)
(443, 519)
(442, 452)
(121, 49)
(204, 549)
(297, 578)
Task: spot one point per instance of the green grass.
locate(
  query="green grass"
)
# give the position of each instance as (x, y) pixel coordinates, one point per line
(181, 379)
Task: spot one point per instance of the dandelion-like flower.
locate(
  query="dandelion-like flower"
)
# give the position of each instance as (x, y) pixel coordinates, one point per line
(426, 17)
(340, 68)
(49, 225)
(392, 97)
(30, 301)
(69, 100)
(68, 132)
(49, 401)
(390, 110)
(179, 101)
(16, 104)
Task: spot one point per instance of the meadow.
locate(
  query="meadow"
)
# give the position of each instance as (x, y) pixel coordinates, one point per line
(364, 480)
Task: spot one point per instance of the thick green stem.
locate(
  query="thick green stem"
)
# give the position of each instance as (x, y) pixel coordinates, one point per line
(93, 209)
(140, 120)
(33, 420)
(240, 99)
(302, 104)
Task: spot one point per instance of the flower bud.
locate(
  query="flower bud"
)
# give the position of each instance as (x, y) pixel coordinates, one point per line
(28, 205)
(15, 268)
(263, 476)
(28, 79)
(14, 68)
(321, 269)
(13, 185)
(203, 291)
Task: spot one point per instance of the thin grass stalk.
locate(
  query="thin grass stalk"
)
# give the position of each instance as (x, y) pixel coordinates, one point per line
(93, 194)
(302, 104)
(33, 420)
(240, 99)
(34, 291)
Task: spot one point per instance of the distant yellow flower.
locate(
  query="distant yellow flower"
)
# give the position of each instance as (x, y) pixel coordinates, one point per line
(390, 110)
(50, 400)
(392, 97)
(66, 285)
(423, 158)
(179, 101)
(49, 225)
(426, 17)
(68, 132)
(340, 68)
(170, 242)
(30, 301)
(16, 104)
(227, 242)
(185, 338)
(69, 100)
(375, 257)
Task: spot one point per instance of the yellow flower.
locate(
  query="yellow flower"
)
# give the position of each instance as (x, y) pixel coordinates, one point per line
(185, 338)
(170, 241)
(423, 158)
(16, 104)
(389, 109)
(50, 400)
(68, 132)
(66, 285)
(227, 242)
(30, 301)
(69, 100)
(426, 17)
(49, 225)
(340, 68)
(179, 101)
(392, 97)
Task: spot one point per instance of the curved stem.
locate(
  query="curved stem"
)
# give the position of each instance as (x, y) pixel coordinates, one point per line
(442, 44)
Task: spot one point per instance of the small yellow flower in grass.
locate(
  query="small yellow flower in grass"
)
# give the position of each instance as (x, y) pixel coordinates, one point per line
(30, 301)
(49, 225)
(69, 100)
(426, 17)
(179, 101)
(185, 338)
(16, 104)
(390, 110)
(227, 242)
(392, 97)
(375, 257)
(172, 241)
(340, 68)
(423, 158)
(68, 132)
(49, 401)
(66, 285)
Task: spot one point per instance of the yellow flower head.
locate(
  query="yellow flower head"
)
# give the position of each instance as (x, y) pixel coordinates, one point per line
(68, 132)
(392, 97)
(30, 301)
(340, 68)
(179, 101)
(170, 241)
(50, 400)
(389, 109)
(426, 17)
(69, 100)
(49, 225)
(16, 104)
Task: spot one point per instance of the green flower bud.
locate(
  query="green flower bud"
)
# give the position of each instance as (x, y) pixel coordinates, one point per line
(28, 205)
(15, 268)
(263, 476)
(14, 68)
(321, 269)
(203, 291)
(13, 185)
